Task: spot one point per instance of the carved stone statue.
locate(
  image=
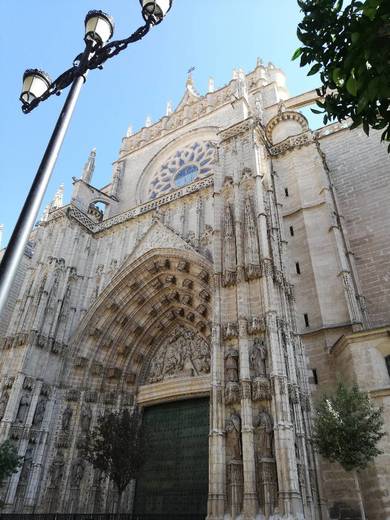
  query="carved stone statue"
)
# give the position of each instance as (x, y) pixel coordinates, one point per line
(251, 251)
(66, 418)
(77, 472)
(231, 365)
(24, 405)
(233, 436)
(25, 472)
(56, 470)
(85, 419)
(229, 257)
(258, 358)
(40, 412)
(264, 434)
(3, 403)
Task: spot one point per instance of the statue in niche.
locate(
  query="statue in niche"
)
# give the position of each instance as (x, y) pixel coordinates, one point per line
(264, 435)
(66, 418)
(258, 358)
(40, 411)
(77, 472)
(85, 419)
(26, 468)
(231, 365)
(230, 259)
(24, 405)
(56, 470)
(233, 436)
(3, 404)
(234, 468)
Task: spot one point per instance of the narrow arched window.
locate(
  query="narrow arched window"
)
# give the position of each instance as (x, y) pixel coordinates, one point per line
(387, 360)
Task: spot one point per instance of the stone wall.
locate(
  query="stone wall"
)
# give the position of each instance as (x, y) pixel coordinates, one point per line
(360, 171)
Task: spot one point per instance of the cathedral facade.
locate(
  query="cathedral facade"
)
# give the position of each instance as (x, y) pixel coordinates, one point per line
(236, 265)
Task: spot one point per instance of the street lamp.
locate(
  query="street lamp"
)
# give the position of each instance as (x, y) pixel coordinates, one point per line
(37, 87)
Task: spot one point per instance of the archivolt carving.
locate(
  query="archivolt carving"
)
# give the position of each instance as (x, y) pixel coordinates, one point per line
(183, 353)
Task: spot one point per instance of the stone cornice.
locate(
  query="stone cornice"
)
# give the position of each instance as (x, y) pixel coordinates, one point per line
(97, 227)
(291, 143)
(240, 128)
(359, 337)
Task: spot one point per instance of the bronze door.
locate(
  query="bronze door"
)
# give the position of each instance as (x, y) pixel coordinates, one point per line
(174, 480)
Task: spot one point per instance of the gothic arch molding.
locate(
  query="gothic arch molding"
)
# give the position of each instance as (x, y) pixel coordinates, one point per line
(161, 290)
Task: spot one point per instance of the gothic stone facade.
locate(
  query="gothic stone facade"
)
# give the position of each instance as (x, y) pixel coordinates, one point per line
(240, 256)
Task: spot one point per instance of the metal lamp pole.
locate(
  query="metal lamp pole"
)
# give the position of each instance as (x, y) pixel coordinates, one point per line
(37, 88)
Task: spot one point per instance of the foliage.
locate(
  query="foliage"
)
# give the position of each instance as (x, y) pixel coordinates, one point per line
(9, 460)
(347, 427)
(350, 48)
(114, 447)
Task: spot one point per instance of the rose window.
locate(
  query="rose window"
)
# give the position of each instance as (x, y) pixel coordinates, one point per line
(185, 166)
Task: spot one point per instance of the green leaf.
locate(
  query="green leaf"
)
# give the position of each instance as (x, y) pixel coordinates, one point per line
(297, 53)
(315, 68)
(352, 86)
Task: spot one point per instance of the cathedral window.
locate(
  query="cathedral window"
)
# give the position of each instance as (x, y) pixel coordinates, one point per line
(183, 167)
(186, 175)
(286, 192)
(306, 318)
(297, 268)
(291, 231)
(387, 360)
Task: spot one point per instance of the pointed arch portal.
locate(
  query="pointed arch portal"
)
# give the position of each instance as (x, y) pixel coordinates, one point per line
(146, 341)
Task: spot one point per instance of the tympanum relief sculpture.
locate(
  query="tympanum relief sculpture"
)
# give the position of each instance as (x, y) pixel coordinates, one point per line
(183, 353)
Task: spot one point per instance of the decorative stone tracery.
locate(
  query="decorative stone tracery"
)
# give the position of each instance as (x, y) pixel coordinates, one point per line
(187, 165)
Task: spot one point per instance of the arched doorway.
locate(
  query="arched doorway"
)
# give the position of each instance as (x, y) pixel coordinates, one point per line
(174, 480)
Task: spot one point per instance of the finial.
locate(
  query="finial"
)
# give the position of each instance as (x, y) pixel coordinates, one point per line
(89, 167)
(148, 122)
(129, 132)
(235, 74)
(58, 198)
(259, 62)
(169, 110)
(211, 86)
(190, 82)
(46, 212)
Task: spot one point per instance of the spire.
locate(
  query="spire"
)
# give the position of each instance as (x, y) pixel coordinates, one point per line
(148, 122)
(89, 167)
(58, 198)
(1, 233)
(211, 86)
(129, 132)
(45, 214)
(169, 110)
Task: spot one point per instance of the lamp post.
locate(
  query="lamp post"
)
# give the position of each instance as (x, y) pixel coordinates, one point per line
(37, 87)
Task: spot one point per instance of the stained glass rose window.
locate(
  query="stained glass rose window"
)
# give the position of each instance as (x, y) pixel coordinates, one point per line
(183, 167)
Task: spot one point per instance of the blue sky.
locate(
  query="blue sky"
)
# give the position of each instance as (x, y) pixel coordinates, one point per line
(214, 36)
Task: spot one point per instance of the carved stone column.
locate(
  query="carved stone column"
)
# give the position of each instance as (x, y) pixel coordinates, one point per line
(217, 459)
(289, 496)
